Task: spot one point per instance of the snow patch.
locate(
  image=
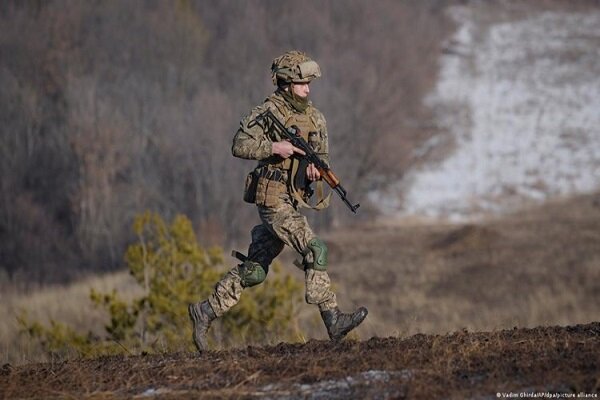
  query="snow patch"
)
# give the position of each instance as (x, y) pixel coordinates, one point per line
(522, 100)
(372, 382)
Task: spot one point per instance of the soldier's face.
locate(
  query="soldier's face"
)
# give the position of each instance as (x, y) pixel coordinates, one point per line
(301, 89)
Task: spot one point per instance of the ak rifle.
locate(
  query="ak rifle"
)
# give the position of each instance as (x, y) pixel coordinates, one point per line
(293, 135)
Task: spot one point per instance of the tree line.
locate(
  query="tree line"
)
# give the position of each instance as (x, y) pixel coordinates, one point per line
(112, 108)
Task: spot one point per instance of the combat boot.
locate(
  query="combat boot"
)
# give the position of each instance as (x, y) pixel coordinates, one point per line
(339, 324)
(201, 315)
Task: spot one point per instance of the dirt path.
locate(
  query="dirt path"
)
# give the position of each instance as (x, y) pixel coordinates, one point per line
(457, 365)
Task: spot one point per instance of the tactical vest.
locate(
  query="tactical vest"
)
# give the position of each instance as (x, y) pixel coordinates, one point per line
(305, 122)
(309, 131)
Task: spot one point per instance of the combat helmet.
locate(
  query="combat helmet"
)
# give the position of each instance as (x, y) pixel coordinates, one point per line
(294, 66)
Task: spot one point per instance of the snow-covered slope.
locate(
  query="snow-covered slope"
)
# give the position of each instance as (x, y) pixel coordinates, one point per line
(522, 100)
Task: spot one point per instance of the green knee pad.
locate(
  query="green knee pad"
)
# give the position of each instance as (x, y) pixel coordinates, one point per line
(319, 252)
(252, 273)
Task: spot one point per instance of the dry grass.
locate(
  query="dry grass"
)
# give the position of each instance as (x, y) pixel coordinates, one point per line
(69, 304)
(540, 266)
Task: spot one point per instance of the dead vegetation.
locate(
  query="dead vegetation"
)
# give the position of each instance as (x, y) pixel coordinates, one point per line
(457, 365)
(114, 108)
(540, 266)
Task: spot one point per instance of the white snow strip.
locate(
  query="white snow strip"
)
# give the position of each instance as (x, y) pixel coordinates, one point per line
(522, 100)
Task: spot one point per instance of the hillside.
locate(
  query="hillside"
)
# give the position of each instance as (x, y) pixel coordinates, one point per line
(540, 266)
(111, 109)
(460, 365)
(516, 105)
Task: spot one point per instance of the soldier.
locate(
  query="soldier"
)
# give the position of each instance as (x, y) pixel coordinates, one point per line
(278, 201)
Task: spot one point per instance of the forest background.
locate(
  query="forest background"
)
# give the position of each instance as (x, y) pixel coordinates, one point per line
(109, 109)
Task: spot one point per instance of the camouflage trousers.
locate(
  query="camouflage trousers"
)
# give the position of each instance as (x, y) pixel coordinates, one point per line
(281, 225)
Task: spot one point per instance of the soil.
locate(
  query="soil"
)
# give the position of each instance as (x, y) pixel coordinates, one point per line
(459, 365)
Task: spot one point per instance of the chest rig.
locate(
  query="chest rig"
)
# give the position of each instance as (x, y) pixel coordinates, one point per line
(295, 169)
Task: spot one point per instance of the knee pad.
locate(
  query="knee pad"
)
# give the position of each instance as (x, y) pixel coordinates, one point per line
(318, 250)
(252, 273)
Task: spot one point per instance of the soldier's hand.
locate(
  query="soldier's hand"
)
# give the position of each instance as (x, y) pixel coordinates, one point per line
(312, 173)
(285, 149)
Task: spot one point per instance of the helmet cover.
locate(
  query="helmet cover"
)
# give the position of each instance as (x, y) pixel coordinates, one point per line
(294, 66)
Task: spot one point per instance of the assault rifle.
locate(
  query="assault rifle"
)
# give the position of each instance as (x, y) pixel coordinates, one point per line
(292, 134)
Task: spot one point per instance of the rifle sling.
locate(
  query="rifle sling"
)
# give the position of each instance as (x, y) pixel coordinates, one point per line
(322, 201)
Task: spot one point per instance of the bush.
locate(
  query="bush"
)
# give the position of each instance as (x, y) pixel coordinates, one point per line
(174, 270)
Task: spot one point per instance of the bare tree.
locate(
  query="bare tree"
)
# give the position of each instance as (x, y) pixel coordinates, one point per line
(112, 108)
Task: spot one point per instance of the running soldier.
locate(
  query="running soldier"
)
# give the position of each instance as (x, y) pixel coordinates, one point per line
(270, 186)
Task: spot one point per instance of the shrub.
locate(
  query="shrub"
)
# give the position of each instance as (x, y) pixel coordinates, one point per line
(174, 270)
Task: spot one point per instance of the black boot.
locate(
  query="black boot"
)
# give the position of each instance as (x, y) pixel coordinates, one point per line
(201, 315)
(339, 324)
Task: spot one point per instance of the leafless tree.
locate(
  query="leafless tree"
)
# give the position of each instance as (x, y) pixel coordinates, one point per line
(111, 108)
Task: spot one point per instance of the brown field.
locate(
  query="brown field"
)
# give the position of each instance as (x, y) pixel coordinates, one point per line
(420, 280)
(459, 365)
(540, 266)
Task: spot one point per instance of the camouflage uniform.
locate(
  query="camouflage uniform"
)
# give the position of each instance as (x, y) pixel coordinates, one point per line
(278, 202)
(282, 223)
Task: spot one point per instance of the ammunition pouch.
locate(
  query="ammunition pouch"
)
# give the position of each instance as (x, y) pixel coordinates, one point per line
(265, 186)
(250, 187)
(269, 192)
(301, 183)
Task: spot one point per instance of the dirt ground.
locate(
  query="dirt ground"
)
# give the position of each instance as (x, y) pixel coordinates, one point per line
(474, 365)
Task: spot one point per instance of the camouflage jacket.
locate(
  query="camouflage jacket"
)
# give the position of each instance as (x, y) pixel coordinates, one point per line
(256, 144)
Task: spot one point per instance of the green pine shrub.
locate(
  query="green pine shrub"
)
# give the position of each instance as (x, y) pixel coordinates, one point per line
(174, 270)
